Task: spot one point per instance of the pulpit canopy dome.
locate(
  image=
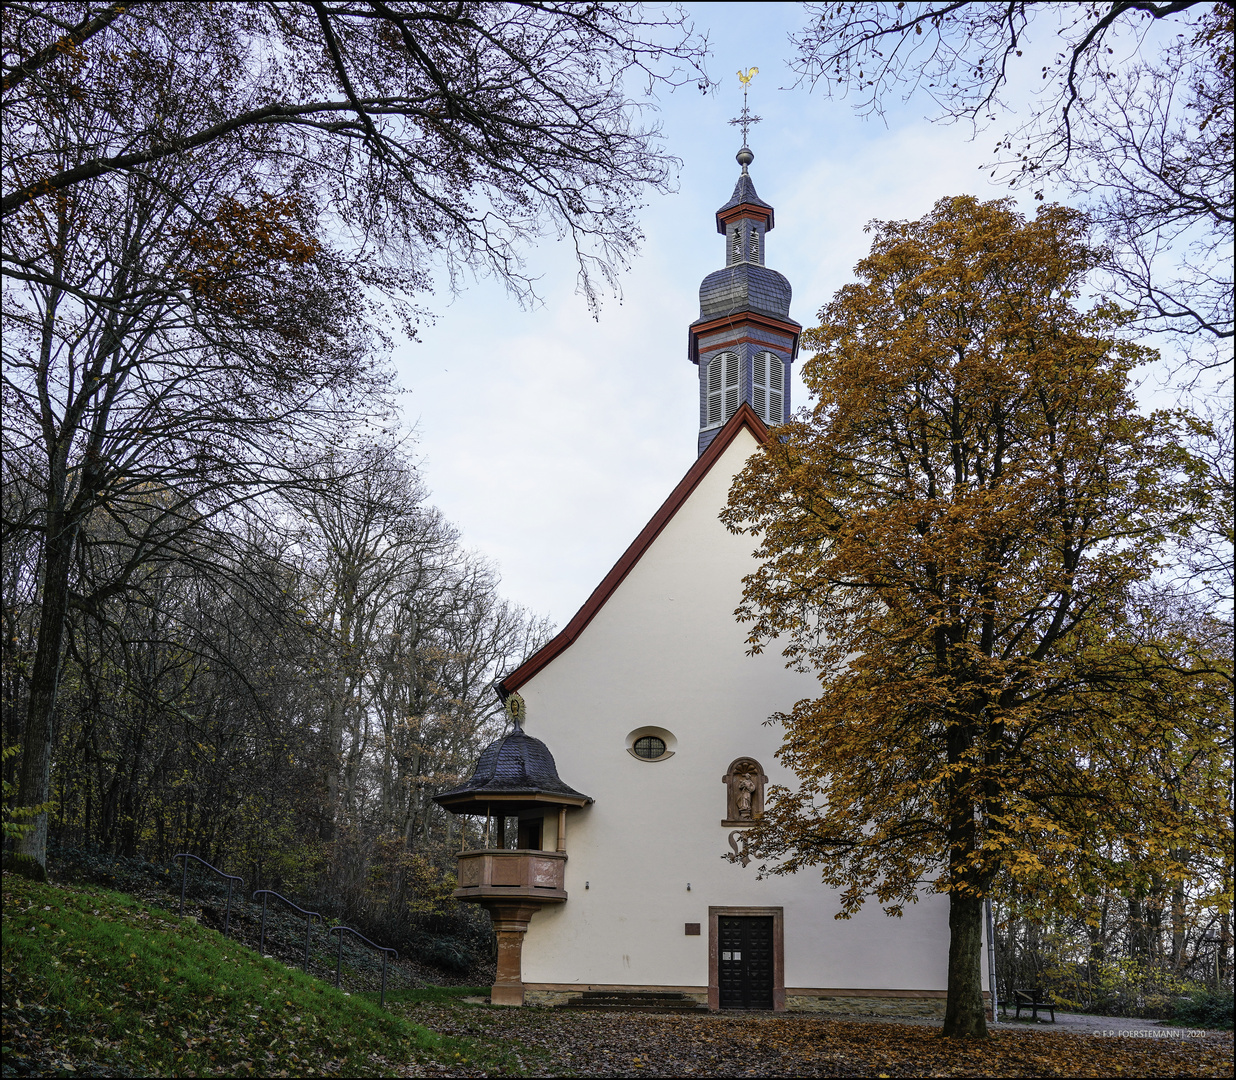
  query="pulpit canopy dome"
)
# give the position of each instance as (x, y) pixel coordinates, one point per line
(517, 772)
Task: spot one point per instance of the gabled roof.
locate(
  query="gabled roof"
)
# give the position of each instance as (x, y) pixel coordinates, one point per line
(745, 417)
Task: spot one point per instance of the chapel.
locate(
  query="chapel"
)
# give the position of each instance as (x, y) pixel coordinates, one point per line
(614, 866)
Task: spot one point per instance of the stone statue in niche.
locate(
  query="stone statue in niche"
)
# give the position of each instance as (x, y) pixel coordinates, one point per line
(744, 788)
(744, 785)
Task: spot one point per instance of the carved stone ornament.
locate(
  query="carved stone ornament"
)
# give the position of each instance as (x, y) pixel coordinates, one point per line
(744, 792)
(738, 844)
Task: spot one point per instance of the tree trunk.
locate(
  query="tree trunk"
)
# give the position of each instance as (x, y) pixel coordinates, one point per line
(332, 752)
(964, 1014)
(34, 787)
(1140, 948)
(1222, 968)
(1095, 955)
(1179, 926)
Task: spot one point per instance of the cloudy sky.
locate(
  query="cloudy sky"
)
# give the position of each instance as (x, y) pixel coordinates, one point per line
(550, 438)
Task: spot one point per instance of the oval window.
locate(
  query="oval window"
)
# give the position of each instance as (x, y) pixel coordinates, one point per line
(649, 747)
(651, 743)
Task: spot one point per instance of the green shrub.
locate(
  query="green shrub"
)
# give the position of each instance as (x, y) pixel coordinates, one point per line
(1206, 1008)
(446, 953)
(1128, 987)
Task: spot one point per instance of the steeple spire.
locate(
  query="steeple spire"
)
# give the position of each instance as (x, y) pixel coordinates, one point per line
(744, 340)
(745, 119)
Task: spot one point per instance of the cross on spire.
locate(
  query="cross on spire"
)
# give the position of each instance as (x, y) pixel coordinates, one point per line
(745, 120)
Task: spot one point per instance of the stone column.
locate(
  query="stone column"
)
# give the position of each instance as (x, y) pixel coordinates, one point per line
(510, 922)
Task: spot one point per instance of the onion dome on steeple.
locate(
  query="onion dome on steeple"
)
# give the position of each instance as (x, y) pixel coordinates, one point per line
(744, 340)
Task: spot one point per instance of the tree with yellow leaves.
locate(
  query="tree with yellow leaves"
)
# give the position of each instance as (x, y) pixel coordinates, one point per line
(957, 539)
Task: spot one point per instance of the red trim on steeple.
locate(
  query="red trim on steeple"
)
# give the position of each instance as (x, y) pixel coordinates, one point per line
(745, 210)
(744, 417)
(731, 322)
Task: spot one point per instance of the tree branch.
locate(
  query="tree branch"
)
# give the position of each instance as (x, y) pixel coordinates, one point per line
(68, 42)
(89, 170)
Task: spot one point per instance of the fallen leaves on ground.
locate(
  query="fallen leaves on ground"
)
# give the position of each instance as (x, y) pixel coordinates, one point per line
(558, 1043)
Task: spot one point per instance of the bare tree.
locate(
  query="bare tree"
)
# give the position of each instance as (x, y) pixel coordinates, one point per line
(1154, 167)
(362, 536)
(181, 719)
(409, 635)
(1206, 553)
(201, 204)
(435, 132)
(1145, 142)
(282, 691)
(169, 337)
(447, 643)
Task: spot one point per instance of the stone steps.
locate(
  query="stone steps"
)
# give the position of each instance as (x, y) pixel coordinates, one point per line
(635, 1001)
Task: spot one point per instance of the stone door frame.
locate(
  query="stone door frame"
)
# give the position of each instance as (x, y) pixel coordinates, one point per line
(714, 949)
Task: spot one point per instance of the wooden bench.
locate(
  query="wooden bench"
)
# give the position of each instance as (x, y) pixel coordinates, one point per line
(1033, 1000)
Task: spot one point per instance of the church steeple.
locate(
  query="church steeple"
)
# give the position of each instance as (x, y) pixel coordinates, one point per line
(744, 340)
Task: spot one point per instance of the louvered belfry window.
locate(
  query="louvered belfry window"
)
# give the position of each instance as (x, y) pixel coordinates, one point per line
(754, 246)
(722, 387)
(767, 387)
(715, 376)
(736, 245)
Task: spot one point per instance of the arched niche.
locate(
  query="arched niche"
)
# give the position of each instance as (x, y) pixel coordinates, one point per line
(744, 792)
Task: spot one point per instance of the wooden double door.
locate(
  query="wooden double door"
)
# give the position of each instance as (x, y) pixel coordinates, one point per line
(745, 961)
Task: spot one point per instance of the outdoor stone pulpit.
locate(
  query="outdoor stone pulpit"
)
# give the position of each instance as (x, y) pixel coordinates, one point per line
(515, 778)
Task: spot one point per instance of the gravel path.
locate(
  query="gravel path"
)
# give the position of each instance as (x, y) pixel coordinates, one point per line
(1083, 1024)
(1066, 1024)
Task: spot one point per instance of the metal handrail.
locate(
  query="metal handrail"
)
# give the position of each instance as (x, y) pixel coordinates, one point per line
(309, 917)
(371, 944)
(227, 917)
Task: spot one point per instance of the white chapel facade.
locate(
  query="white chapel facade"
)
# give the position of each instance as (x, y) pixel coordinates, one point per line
(639, 755)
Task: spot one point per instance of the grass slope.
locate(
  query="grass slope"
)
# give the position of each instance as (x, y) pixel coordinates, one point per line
(96, 983)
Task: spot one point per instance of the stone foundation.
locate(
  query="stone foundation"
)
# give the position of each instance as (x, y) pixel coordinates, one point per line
(547, 997)
(561, 997)
(822, 1004)
(866, 1006)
